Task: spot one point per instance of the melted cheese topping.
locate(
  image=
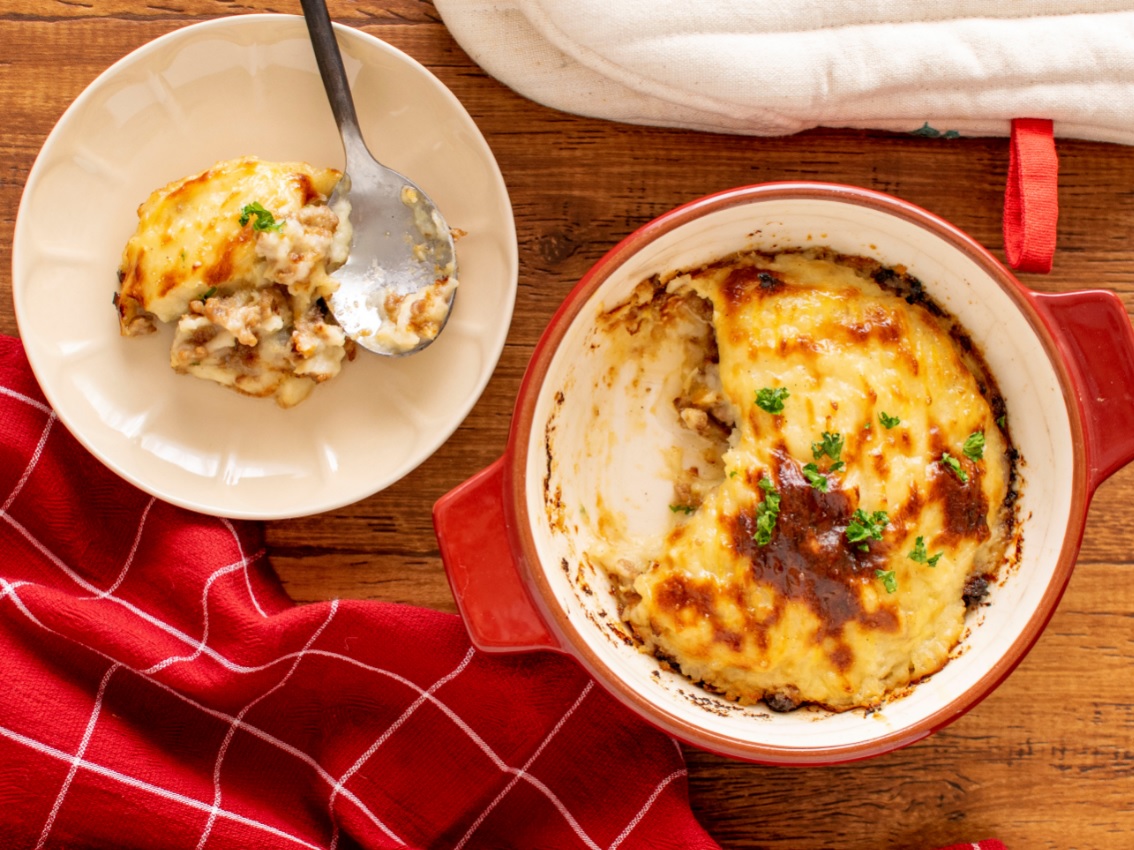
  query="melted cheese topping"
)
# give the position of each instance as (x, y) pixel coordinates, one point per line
(830, 561)
(245, 288)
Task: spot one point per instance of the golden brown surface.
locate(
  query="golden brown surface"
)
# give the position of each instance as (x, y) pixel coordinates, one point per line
(1047, 761)
(192, 238)
(799, 610)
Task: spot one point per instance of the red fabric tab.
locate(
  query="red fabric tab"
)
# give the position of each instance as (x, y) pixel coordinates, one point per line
(1031, 198)
(160, 690)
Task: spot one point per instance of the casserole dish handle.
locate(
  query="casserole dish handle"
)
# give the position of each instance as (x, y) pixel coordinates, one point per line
(483, 573)
(1093, 331)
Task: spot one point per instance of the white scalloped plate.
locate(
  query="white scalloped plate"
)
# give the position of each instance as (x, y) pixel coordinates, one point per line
(212, 91)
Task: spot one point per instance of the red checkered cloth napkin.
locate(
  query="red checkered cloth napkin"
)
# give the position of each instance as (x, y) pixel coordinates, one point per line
(161, 691)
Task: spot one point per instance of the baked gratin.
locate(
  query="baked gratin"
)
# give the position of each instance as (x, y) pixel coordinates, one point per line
(240, 257)
(856, 493)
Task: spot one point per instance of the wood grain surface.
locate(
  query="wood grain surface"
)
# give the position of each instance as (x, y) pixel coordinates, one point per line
(1047, 761)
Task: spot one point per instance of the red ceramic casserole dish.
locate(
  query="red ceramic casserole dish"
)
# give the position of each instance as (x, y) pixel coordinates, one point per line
(1064, 364)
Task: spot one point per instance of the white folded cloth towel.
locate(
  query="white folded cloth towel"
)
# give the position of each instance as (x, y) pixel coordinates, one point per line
(776, 67)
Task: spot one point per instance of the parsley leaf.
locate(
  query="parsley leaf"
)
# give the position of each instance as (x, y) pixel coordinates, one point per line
(974, 446)
(889, 580)
(264, 219)
(683, 509)
(772, 400)
(954, 465)
(831, 445)
(920, 555)
(888, 421)
(766, 513)
(864, 526)
(815, 478)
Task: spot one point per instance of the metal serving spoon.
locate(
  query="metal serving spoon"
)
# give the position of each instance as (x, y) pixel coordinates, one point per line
(402, 262)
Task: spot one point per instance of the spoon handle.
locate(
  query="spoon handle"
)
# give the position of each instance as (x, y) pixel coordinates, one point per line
(330, 62)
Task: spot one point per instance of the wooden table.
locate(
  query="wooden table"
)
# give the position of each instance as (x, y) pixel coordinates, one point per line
(1045, 762)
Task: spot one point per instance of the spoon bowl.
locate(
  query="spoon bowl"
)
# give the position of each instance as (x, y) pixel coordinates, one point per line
(397, 287)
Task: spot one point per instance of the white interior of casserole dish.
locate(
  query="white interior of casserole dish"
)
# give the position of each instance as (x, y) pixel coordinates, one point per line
(616, 457)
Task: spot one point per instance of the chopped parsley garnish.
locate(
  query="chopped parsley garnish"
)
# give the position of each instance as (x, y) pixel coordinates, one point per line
(772, 400)
(766, 513)
(264, 219)
(889, 580)
(954, 465)
(682, 509)
(1001, 421)
(208, 293)
(974, 446)
(920, 555)
(815, 478)
(831, 445)
(864, 526)
(888, 421)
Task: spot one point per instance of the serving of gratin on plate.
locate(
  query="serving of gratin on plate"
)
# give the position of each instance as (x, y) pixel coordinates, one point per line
(240, 257)
(196, 177)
